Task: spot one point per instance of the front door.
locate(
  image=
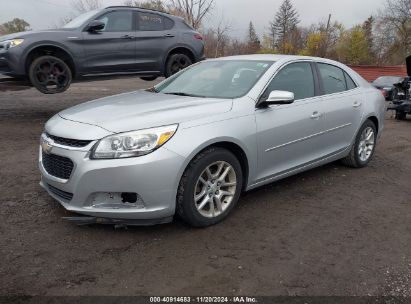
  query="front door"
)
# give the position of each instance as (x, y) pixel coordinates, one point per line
(112, 49)
(289, 136)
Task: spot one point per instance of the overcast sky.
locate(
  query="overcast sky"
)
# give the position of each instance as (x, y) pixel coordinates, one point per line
(42, 14)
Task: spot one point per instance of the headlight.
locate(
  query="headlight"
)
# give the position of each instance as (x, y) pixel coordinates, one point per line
(132, 144)
(11, 43)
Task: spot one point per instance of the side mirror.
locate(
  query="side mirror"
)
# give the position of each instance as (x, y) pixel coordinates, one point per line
(95, 26)
(278, 98)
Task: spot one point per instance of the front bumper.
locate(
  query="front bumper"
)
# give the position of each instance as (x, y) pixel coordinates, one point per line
(11, 62)
(154, 177)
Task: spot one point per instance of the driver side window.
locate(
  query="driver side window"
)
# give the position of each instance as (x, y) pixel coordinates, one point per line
(295, 77)
(119, 21)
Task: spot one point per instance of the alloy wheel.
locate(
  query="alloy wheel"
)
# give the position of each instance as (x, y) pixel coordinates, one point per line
(215, 189)
(51, 74)
(178, 64)
(366, 144)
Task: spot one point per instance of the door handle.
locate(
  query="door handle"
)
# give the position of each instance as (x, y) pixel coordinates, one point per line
(127, 37)
(169, 35)
(316, 115)
(356, 104)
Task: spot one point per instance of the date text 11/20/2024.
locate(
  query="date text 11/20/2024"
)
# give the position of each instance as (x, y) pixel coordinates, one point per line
(238, 299)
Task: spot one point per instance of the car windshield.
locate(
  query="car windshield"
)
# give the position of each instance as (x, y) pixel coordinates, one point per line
(79, 21)
(215, 79)
(387, 80)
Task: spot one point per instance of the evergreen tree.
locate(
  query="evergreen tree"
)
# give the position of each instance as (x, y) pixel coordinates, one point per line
(285, 22)
(252, 39)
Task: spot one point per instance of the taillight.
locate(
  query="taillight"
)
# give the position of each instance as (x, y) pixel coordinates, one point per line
(384, 93)
(198, 37)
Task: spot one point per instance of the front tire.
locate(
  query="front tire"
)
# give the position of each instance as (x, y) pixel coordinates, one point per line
(175, 63)
(364, 147)
(210, 188)
(50, 75)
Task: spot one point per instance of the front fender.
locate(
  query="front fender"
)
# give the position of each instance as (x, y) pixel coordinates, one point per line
(239, 131)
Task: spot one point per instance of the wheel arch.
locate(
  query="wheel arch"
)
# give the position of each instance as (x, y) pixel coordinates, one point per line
(50, 49)
(184, 49)
(238, 151)
(375, 120)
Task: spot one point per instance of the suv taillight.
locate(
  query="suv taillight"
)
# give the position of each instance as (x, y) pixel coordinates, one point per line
(198, 37)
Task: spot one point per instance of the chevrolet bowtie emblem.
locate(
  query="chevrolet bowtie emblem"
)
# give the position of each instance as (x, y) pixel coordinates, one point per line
(46, 145)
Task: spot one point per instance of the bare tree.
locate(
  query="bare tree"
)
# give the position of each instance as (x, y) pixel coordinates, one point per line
(220, 32)
(397, 17)
(83, 6)
(194, 11)
(149, 4)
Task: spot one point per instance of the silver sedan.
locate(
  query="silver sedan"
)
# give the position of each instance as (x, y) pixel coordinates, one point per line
(193, 143)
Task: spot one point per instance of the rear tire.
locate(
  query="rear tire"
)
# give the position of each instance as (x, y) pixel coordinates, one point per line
(175, 63)
(207, 193)
(50, 75)
(363, 149)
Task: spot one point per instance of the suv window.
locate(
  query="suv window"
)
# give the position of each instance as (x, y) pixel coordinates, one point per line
(295, 77)
(150, 22)
(119, 21)
(350, 83)
(333, 78)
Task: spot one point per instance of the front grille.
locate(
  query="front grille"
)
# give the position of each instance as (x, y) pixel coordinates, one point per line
(60, 193)
(77, 143)
(57, 166)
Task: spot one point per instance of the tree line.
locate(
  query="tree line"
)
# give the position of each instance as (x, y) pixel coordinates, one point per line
(382, 39)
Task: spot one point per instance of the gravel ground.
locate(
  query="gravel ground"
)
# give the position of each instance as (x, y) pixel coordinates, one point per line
(329, 231)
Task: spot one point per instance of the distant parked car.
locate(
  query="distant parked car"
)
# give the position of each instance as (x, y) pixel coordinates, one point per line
(191, 144)
(386, 85)
(111, 41)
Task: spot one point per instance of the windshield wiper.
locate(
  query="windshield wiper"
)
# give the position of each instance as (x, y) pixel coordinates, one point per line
(184, 94)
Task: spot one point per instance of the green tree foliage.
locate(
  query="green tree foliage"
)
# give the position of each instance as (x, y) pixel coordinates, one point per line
(285, 22)
(352, 47)
(14, 26)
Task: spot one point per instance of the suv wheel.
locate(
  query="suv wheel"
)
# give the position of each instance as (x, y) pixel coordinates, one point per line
(50, 75)
(176, 63)
(209, 188)
(363, 148)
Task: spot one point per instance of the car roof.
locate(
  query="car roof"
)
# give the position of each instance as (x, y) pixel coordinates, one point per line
(275, 58)
(140, 8)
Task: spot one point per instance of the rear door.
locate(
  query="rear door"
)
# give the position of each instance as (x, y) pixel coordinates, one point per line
(154, 37)
(112, 49)
(289, 136)
(343, 105)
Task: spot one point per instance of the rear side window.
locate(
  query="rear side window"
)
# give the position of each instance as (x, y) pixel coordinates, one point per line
(168, 23)
(350, 83)
(295, 77)
(333, 78)
(150, 22)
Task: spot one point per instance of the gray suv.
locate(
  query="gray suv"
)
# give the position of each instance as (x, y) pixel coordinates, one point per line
(111, 41)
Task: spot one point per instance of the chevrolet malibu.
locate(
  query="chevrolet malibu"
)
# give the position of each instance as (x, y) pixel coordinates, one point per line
(192, 144)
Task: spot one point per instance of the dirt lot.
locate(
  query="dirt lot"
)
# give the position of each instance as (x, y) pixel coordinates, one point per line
(330, 231)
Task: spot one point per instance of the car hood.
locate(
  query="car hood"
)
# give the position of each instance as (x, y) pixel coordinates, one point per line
(32, 33)
(142, 109)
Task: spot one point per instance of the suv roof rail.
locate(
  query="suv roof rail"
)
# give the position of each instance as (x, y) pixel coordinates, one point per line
(138, 7)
